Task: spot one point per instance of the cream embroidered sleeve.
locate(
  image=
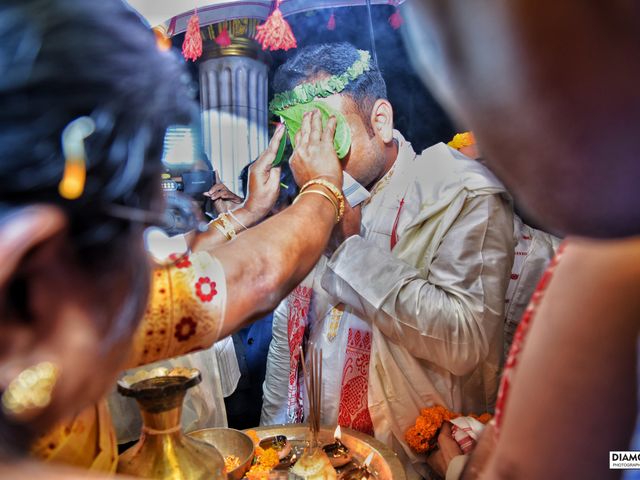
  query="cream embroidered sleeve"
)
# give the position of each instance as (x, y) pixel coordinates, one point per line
(185, 310)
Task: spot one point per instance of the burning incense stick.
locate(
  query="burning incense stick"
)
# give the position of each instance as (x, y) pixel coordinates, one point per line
(313, 384)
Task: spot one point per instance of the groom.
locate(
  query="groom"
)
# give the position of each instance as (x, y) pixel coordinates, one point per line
(409, 308)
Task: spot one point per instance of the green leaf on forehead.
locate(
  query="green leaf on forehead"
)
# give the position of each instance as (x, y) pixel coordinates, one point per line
(280, 155)
(292, 118)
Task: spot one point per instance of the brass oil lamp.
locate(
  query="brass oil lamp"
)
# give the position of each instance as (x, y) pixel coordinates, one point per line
(337, 451)
(360, 472)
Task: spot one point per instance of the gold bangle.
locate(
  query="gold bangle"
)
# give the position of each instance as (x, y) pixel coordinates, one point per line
(224, 226)
(331, 198)
(232, 215)
(332, 188)
(228, 226)
(216, 223)
(335, 207)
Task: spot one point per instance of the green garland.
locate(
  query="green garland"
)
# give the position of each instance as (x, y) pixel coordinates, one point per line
(291, 106)
(306, 92)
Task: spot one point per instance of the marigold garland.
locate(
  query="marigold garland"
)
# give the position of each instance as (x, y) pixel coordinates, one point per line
(423, 436)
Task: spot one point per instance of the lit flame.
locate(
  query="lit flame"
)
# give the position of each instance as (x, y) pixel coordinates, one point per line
(338, 433)
(368, 460)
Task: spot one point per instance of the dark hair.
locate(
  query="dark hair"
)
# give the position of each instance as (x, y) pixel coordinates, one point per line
(61, 60)
(312, 62)
(69, 58)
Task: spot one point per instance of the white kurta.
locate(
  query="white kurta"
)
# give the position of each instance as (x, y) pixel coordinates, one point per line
(434, 305)
(534, 251)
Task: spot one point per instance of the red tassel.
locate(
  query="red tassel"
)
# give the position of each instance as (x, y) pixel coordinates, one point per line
(223, 39)
(331, 25)
(396, 20)
(275, 33)
(192, 46)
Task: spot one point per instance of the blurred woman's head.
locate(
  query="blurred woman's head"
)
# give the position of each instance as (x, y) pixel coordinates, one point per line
(550, 92)
(73, 278)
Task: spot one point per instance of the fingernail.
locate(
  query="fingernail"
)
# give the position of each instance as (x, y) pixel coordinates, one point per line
(280, 127)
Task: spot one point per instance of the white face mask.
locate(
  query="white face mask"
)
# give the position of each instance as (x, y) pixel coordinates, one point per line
(353, 191)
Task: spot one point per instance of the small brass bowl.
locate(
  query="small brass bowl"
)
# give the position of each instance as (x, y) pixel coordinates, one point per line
(229, 442)
(338, 454)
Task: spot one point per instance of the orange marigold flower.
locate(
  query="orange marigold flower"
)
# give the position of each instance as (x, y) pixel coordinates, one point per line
(257, 475)
(484, 418)
(423, 435)
(269, 458)
(416, 440)
(462, 140)
(254, 436)
(264, 462)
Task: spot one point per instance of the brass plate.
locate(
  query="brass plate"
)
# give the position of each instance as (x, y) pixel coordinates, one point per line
(385, 464)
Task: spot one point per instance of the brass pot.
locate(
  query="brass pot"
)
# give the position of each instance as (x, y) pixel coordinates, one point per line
(163, 451)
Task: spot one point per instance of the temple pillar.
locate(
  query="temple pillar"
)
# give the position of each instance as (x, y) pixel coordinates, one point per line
(234, 102)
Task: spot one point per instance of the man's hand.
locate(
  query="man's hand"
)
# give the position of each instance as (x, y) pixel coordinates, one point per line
(348, 227)
(264, 181)
(482, 453)
(223, 199)
(314, 155)
(447, 449)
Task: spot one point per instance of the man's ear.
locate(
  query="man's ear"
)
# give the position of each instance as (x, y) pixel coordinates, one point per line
(382, 120)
